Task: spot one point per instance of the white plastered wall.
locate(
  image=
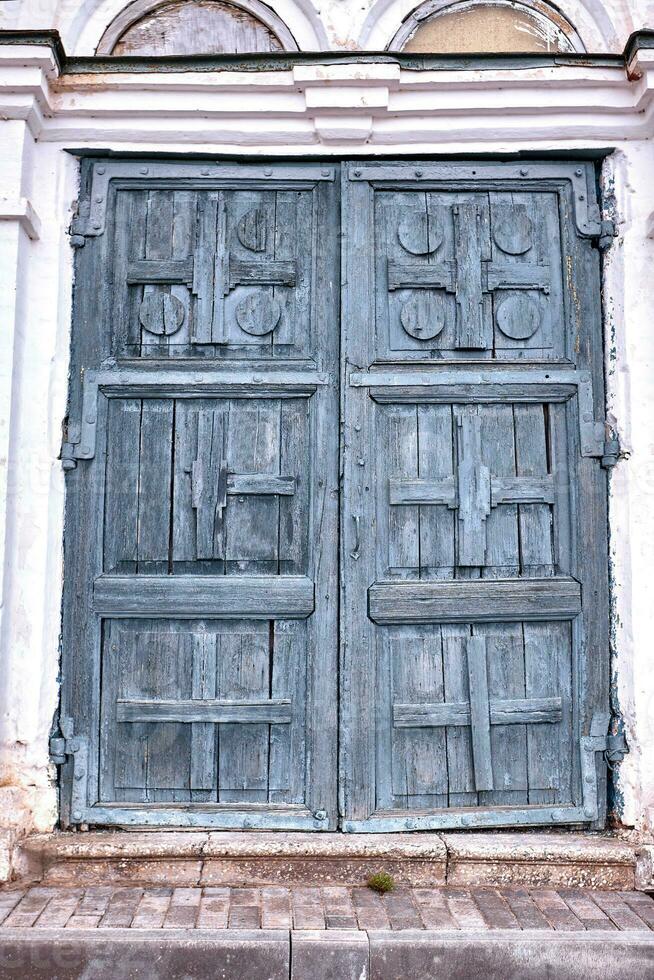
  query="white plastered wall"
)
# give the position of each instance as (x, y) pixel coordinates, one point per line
(341, 111)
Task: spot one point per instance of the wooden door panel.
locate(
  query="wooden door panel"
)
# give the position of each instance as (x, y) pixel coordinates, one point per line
(225, 273)
(203, 712)
(475, 271)
(470, 489)
(200, 621)
(474, 571)
(445, 752)
(207, 485)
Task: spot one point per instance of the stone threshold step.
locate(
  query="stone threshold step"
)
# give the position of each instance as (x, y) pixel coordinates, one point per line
(282, 955)
(259, 858)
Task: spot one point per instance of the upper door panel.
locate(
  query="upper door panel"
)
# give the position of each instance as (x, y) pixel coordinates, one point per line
(475, 272)
(226, 271)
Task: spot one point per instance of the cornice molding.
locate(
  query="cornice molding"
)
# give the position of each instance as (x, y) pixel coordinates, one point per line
(306, 100)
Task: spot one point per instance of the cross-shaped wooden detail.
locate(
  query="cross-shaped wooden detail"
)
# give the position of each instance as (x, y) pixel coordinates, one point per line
(479, 713)
(472, 491)
(212, 483)
(469, 277)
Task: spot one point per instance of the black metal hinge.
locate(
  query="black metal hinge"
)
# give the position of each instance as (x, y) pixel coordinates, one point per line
(611, 452)
(62, 744)
(616, 749)
(608, 231)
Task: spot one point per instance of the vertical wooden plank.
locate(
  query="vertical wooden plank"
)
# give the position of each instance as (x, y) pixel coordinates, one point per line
(158, 245)
(243, 669)
(128, 243)
(471, 331)
(184, 226)
(184, 518)
(252, 521)
(460, 766)
(534, 520)
(154, 491)
(548, 673)
(479, 712)
(358, 648)
(294, 510)
(287, 751)
(207, 270)
(419, 773)
(398, 459)
(435, 461)
(209, 482)
(506, 679)
(126, 747)
(498, 454)
(121, 489)
(474, 489)
(204, 775)
(322, 525)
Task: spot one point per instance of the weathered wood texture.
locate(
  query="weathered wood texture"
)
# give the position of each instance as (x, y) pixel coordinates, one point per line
(200, 616)
(484, 567)
(202, 585)
(201, 27)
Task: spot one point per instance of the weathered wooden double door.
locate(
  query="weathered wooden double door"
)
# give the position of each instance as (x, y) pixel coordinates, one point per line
(306, 395)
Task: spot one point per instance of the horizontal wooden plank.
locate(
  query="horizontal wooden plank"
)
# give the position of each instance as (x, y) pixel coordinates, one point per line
(269, 272)
(504, 490)
(475, 601)
(482, 377)
(413, 275)
(518, 276)
(522, 490)
(223, 382)
(438, 394)
(422, 492)
(274, 712)
(518, 711)
(193, 596)
(260, 483)
(160, 270)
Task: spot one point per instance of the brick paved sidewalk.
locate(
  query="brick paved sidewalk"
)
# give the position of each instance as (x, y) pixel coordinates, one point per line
(337, 908)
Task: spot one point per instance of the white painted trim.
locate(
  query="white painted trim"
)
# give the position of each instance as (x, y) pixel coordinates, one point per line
(139, 8)
(20, 210)
(424, 111)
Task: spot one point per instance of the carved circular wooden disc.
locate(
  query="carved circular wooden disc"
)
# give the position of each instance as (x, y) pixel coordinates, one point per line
(258, 314)
(251, 230)
(161, 314)
(419, 233)
(518, 317)
(423, 316)
(513, 232)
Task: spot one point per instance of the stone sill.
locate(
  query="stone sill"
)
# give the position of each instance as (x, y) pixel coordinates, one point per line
(422, 860)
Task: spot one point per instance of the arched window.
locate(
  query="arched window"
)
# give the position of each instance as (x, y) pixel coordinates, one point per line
(178, 27)
(486, 26)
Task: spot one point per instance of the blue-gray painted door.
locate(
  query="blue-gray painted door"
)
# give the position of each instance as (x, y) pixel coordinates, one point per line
(202, 540)
(200, 640)
(474, 564)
